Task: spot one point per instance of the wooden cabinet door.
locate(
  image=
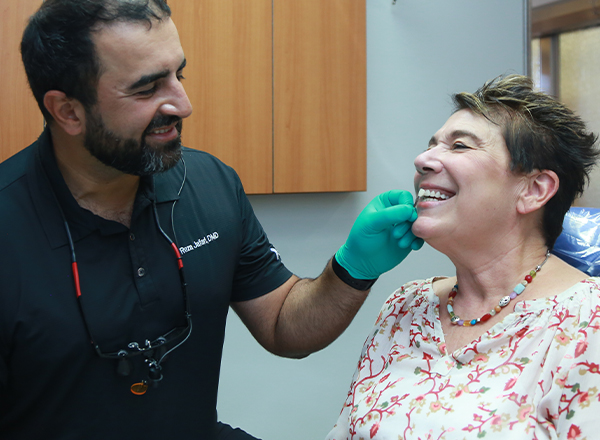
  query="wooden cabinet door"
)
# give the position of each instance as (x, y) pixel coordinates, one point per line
(319, 95)
(279, 90)
(21, 122)
(228, 45)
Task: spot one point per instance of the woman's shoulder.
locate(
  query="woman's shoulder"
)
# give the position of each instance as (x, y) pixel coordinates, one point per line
(413, 293)
(587, 288)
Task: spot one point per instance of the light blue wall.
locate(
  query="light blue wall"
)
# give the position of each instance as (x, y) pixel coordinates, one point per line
(418, 53)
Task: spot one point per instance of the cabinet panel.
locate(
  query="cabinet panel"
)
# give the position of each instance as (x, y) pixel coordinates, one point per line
(319, 95)
(278, 89)
(21, 121)
(228, 45)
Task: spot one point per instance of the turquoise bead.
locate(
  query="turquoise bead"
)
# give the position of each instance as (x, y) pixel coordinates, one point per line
(473, 322)
(519, 289)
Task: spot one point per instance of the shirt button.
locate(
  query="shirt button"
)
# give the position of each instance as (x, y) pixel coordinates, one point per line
(141, 272)
(131, 236)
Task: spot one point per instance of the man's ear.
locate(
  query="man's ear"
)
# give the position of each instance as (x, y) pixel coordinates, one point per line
(68, 113)
(539, 189)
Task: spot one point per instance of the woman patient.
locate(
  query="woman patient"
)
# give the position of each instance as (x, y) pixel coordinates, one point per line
(510, 346)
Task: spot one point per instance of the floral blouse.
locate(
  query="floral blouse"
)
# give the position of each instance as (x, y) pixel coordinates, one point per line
(534, 375)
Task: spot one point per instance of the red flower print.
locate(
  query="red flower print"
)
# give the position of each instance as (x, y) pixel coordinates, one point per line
(481, 357)
(435, 406)
(574, 433)
(594, 368)
(374, 429)
(522, 332)
(581, 347)
(384, 378)
(524, 412)
(511, 383)
(562, 339)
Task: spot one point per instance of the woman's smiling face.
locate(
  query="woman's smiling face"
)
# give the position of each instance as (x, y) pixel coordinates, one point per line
(463, 182)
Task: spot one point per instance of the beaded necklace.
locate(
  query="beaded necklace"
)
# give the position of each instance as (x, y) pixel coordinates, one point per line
(519, 289)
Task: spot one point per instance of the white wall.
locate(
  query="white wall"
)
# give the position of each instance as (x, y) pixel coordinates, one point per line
(418, 53)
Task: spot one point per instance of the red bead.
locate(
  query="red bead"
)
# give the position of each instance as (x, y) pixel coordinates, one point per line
(528, 278)
(485, 317)
(452, 294)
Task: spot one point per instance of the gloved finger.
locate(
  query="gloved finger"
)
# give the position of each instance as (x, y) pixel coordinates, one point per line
(406, 241)
(388, 217)
(400, 229)
(417, 244)
(396, 197)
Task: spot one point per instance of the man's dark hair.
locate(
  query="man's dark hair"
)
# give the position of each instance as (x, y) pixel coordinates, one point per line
(541, 134)
(57, 48)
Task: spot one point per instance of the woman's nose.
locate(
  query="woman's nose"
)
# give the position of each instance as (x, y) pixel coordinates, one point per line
(428, 161)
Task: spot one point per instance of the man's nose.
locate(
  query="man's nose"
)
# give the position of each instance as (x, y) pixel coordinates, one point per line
(177, 103)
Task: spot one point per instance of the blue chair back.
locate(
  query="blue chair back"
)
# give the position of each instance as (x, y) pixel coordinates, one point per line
(579, 242)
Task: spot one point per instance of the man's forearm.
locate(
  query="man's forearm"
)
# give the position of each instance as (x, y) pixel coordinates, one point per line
(315, 313)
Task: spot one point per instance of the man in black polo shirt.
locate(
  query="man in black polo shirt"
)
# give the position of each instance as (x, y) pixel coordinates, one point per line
(122, 251)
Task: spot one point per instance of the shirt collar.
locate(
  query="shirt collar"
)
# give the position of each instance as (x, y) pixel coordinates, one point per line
(51, 195)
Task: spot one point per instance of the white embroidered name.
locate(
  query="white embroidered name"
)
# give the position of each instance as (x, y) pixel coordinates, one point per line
(199, 243)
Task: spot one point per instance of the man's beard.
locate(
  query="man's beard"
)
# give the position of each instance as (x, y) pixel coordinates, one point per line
(132, 156)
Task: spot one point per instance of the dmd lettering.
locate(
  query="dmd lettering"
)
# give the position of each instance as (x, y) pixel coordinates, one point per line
(199, 243)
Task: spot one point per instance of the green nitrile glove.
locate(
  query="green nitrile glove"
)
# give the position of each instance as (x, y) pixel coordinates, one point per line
(381, 236)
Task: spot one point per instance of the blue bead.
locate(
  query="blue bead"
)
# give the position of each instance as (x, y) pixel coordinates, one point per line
(519, 288)
(450, 309)
(473, 322)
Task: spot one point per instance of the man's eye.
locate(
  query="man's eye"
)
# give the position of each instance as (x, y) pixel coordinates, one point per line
(147, 92)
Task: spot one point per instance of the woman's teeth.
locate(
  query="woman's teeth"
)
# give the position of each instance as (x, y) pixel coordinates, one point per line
(427, 195)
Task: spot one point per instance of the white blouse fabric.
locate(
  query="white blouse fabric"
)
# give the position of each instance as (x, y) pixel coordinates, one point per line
(534, 375)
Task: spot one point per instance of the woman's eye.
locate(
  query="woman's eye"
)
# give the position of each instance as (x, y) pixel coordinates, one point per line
(459, 145)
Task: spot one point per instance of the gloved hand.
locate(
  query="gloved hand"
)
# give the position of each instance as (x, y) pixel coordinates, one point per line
(381, 236)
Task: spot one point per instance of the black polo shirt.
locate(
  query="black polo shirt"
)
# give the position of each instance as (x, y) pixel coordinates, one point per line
(52, 382)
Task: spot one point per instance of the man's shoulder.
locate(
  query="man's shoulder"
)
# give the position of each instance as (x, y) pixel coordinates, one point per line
(202, 158)
(15, 167)
(207, 167)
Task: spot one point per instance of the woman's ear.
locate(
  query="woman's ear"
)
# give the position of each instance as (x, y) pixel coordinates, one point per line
(68, 113)
(539, 189)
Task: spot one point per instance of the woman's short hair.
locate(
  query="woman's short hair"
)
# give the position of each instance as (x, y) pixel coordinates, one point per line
(540, 133)
(57, 47)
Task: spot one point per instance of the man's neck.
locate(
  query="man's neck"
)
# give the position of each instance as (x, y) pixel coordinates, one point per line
(96, 187)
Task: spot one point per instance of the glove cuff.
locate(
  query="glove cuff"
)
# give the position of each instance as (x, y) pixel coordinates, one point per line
(343, 275)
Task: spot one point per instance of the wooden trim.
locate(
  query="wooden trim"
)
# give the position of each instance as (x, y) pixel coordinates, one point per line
(22, 121)
(564, 16)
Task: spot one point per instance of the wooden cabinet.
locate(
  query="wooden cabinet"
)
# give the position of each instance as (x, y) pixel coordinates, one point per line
(21, 121)
(278, 89)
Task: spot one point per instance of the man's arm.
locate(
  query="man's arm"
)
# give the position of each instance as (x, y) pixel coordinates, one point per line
(305, 315)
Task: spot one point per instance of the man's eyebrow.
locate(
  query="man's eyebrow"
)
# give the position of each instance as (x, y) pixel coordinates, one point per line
(149, 79)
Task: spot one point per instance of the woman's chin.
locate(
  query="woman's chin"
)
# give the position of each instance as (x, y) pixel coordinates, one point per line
(422, 228)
